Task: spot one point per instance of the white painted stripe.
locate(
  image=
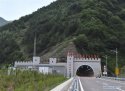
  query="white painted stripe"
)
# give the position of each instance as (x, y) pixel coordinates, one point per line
(81, 87)
(114, 81)
(120, 89)
(104, 83)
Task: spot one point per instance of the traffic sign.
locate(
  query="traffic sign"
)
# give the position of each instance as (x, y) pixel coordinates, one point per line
(117, 71)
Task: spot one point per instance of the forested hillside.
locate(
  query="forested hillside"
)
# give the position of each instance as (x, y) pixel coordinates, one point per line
(94, 26)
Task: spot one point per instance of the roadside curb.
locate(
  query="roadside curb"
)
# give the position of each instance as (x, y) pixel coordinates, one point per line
(64, 86)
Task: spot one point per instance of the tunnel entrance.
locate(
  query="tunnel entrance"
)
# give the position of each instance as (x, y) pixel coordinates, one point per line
(85, 71)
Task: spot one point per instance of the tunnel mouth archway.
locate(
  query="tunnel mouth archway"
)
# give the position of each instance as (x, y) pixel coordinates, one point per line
(85, 71)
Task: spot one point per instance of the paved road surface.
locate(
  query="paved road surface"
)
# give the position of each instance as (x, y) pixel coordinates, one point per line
(98, 84)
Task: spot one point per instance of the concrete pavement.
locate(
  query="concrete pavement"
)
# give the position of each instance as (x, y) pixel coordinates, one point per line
(99, 84)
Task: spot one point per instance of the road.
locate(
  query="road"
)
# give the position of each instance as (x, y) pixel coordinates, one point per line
(99, 84)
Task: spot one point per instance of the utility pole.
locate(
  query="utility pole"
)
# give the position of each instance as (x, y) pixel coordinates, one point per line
(34, 52)
(116, 69)
(116, 63)
(116, 58)
(106, 65)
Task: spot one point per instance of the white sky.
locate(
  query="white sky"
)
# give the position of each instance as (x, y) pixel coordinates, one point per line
(14, 9)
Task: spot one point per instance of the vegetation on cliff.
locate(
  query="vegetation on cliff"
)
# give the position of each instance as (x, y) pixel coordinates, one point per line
(95, 26)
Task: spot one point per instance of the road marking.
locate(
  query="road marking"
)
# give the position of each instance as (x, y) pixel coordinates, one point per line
(120, 89)
(81, 85)
(112, 81)
(111, 87)
(104, 83)
(98, 82)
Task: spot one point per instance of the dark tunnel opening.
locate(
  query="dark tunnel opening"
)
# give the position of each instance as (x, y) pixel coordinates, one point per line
(85, 71)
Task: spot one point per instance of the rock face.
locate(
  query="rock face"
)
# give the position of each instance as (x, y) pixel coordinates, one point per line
(60, 51)
(3, 21)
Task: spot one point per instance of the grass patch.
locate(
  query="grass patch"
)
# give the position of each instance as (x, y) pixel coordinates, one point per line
(28, 81)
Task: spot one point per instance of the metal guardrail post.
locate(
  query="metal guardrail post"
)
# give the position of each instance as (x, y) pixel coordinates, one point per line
(75, 85)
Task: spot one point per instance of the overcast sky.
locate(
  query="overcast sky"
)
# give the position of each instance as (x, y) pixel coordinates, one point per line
(14, 9)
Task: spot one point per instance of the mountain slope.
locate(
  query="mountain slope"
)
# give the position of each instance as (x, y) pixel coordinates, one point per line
(3, 21)
(94, 26)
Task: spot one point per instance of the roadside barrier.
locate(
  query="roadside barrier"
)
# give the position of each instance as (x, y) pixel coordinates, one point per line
(64, 86)
(74, 85)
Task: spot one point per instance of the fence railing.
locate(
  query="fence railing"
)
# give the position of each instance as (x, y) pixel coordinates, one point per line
(74, 85)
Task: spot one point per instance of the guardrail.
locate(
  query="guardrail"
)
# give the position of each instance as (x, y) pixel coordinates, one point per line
(74, 85)
(114, 78)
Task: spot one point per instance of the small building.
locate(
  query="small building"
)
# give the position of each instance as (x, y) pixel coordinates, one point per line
(75, 64)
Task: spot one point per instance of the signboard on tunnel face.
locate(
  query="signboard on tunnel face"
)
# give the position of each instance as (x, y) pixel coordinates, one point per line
(104, 73)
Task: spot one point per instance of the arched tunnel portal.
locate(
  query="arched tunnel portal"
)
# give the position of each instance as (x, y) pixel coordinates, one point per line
(85, 71)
